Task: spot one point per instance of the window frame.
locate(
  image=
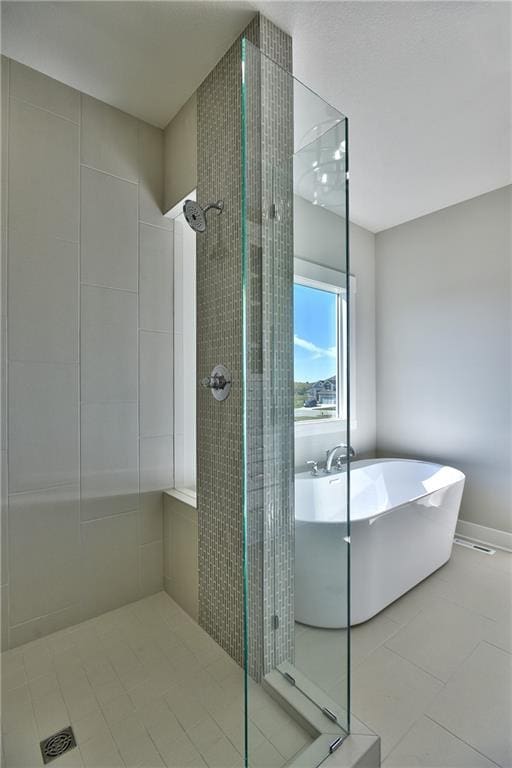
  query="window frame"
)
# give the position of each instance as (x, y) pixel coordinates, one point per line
(323, 278)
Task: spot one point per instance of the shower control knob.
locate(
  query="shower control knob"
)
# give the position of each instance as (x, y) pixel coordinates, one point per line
(214, 382)
(219, 382)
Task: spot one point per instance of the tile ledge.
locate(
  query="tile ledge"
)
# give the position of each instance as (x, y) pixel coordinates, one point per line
(186, 495)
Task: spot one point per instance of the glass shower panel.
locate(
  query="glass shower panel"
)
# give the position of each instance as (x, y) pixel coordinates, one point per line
(296, 295)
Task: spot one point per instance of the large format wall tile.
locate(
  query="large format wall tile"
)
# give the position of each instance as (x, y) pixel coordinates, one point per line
(4, 118)
(43, 425)
(110, 563)
(32, 86)
(109, 139)
(43, 172)
(155, 463)
(156, 278)
(83, 177)
(44, 552)
(181, 554)
(155, 384)
(44, 625)
(108, 230)
(109, 345)
(151, 180)
(109, 459)
(3, 380)
(150, 516)
(151, 568)
(4, 613)
(4, 542)
(43, 298)
(4, 159)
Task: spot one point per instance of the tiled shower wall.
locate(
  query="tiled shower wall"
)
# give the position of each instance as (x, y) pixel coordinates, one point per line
(89, 345)
(220, 324)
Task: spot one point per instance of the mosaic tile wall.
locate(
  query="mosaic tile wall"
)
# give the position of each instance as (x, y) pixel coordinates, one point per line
(270, 361)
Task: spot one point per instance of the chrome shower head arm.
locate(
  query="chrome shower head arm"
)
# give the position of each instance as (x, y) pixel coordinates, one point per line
(219, 206)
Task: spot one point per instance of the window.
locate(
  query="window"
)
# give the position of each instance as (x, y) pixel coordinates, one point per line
(184, 352)
(320, 343)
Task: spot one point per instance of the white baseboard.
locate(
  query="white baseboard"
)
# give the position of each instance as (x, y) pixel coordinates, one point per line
(484, 535)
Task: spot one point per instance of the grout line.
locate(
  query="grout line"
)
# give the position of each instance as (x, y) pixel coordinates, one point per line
(152, 330)
(46, 235)
(156, 226)
(461, 740)
(38, 618)
(397, 743)
(463, 607)
(91, 403)
(108, 173)
(364, 722)
(151, 437)
(20, 360)
(412, 663)
(110, 517)
(44, 109)
(109, 288)
(495, 645)
(57, 487)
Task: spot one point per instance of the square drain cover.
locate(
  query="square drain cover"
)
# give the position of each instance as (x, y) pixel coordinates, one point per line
(56, 745)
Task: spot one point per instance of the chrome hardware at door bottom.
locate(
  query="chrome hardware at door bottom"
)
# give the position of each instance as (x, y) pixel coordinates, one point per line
(219, 382)
(329, 714)
(335, 744)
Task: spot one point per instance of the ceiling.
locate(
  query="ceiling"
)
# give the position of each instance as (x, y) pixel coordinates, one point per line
(426, 85)
(145, 58)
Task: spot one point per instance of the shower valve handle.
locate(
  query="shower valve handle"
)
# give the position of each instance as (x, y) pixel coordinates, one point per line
(217, 381)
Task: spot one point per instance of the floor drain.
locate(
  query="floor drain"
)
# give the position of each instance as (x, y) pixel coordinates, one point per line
(55, 746)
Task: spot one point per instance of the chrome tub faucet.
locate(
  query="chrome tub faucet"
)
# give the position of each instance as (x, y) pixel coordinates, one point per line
(340, 460)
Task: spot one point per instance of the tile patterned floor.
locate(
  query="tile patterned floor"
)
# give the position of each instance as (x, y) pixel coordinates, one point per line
(143, 687)
(432, 673)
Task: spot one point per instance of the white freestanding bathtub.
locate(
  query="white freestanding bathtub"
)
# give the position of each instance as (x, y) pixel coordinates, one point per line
(402, 522)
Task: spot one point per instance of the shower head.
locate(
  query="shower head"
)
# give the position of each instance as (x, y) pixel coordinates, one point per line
(196, 215)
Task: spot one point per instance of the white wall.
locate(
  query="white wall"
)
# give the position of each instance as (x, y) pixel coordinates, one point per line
(180, 138)
(317, 239)
(444, 385)
(89, 356)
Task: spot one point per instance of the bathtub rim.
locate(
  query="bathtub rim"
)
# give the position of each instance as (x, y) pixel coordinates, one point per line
(370, 519)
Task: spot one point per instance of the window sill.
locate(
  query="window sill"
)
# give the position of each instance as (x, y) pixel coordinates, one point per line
(322, 427)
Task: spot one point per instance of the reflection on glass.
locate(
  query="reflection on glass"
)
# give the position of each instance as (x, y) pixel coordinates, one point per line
(295, 281)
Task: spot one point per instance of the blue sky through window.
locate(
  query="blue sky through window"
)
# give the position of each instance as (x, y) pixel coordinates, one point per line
(314, 333)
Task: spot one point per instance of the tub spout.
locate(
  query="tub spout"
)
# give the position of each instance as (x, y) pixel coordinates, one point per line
(331, 453)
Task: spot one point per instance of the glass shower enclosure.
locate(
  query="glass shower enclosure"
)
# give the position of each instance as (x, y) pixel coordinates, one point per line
(296, 307)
